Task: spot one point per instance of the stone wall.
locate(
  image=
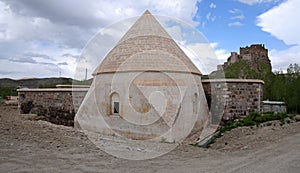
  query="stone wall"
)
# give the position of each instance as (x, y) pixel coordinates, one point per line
(227, 99)
(230, 99)
(57, 105)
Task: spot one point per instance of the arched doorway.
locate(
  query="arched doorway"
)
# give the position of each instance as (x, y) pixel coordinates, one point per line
(115, 103)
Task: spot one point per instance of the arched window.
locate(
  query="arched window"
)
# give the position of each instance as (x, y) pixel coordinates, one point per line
(115, 103)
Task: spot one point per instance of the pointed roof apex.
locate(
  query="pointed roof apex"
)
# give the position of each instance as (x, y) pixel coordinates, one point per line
(147, 12)
(146, 25)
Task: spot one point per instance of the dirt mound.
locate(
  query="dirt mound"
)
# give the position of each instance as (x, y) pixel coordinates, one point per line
(255, 137)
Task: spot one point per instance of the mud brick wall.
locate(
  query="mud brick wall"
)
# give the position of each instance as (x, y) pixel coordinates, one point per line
(230, 99)
(57, 105)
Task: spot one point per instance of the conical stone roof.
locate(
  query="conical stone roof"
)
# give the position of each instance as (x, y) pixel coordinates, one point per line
(146, 47)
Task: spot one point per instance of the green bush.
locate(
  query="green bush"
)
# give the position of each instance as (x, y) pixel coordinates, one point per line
(8, 91)
(256, 119)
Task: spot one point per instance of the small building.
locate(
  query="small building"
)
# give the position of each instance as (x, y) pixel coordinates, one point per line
(274, 106)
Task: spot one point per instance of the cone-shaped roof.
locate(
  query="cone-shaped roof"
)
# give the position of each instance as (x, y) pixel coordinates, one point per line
(146, 47)
(146, 25)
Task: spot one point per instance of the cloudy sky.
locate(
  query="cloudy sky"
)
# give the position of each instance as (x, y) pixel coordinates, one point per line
(46, 38)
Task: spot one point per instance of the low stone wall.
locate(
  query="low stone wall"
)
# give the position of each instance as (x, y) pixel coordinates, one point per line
(57, 105)
(230, 99)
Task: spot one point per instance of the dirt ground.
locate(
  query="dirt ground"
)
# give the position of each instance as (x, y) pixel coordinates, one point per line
(37, 146)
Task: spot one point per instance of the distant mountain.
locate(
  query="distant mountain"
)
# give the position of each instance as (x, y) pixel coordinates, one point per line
(34, 82)
(8, 87)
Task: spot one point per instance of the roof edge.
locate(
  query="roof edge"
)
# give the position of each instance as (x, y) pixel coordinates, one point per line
(233, 81)
(166, 71)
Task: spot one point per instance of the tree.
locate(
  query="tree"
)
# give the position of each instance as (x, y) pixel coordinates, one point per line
(290, 69)
(293, 69)
(296, 68)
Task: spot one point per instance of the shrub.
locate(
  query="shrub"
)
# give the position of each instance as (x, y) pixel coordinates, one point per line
(256, 119)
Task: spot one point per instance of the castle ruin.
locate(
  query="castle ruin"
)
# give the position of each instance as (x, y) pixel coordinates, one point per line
(253, 55)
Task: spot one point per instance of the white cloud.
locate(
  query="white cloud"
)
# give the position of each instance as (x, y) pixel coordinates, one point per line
(240, 17)
(281, 22)
(58, 27)
(280, 59)
(235, 24)
(206, 56)
(210, 17)
(212, 5)
(222, 55)
(252, 2)
(176, 33)
(234, 11)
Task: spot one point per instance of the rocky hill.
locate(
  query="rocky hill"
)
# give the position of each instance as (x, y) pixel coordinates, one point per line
(251, 63)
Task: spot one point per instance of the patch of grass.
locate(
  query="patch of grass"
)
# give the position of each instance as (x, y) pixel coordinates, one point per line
(163, 140)
(256, 119)
(8, 91)
(269, 124)
(2, 101)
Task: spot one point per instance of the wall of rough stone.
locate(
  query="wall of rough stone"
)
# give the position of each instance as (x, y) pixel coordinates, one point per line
(57, 105)
(230, 99)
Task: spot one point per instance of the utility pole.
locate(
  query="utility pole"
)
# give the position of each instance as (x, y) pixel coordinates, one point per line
(85, 74)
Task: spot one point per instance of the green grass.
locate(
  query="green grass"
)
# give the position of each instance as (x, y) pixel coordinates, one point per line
(269, 124)
(256, 119)
(8, 91)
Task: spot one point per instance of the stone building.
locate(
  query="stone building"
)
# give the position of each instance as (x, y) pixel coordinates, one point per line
(145, 88)
(253, 55)
(274, 106)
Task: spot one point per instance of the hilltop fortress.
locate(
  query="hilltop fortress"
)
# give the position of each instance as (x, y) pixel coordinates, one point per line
(254, 55)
